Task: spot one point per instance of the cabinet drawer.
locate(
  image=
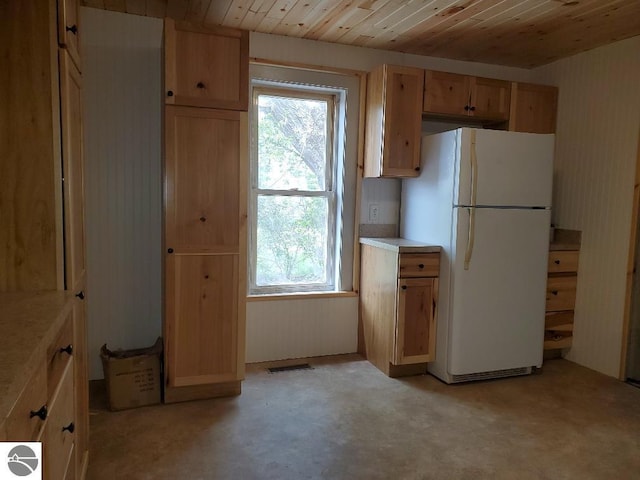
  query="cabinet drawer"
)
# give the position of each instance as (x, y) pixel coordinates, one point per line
(561, 293)
(419, 265)
(58, 443)
(563, 261)
(21, 425)
(57, 358)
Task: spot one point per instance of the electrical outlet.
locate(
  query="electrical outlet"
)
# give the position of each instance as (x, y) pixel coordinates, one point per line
(374, 211)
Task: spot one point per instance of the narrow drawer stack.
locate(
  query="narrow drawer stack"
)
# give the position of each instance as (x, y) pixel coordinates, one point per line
(561, 298)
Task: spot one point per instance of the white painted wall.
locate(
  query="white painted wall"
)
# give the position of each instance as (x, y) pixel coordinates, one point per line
(121, 74)
(596, 145)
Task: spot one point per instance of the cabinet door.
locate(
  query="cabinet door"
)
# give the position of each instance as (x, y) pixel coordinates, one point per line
(533, 108)
(68, 28)
(490, 98)
(415, 329)
(402, 122)
(202, 201)
(73, 172)
(201, 319)
(206, 68)
(446, 93)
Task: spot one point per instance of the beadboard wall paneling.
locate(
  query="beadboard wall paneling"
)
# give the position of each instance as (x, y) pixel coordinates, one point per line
(122, 99)
(596, 145)
(282, 329)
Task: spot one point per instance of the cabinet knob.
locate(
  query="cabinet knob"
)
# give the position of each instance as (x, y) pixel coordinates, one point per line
(69, 428)
(73, 29)
(554, 292)
(68, 349)
(404, 287)
(41, 414)
(80, 295)
(466, 108)
(421, 265)
(557, 262)
(169, 250)
(417, 169)
(170, 93)
(473, 109)
(200, 85)
(203, 219)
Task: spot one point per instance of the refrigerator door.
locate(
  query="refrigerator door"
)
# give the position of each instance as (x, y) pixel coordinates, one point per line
(497, 305)
(508, 168)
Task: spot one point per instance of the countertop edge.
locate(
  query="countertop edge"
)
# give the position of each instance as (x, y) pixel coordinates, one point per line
(400, 245)
(50, 311)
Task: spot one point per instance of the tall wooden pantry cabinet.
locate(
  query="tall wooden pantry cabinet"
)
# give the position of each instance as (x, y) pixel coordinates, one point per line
(42, 203)
(206, 91)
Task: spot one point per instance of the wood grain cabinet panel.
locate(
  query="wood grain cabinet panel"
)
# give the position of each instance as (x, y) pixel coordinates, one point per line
(69, 29)
(398, 305)
(562, 280)
(455, 95)
(206, 67)
(393, 122)
(533, 108)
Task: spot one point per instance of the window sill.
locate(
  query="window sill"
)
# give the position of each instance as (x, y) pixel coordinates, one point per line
(299, 296)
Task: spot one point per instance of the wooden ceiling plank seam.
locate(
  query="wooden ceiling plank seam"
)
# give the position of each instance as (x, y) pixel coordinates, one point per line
(197, 11)
(156, 8)
(464, 17)
(365, 27)
(341, 19)
(94, 4)
(177, 9)
(256, 13)
(234, 14)
(292, 23)
(276, 13)
(469, 27)
(316, 16)
(115, 5)
(416, 34)
(136, 7)
(216, 13)
(486, 37)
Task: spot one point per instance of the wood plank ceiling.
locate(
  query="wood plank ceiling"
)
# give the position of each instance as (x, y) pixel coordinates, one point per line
(520, 33)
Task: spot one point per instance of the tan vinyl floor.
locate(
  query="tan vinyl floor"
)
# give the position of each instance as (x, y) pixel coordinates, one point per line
(346, 420)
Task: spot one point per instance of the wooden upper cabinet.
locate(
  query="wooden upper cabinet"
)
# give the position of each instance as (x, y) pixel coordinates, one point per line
(533, 108)
(394, 121)
(452, 94)
(206, 67)
(69, 29)
(202, 180)
(446, 93)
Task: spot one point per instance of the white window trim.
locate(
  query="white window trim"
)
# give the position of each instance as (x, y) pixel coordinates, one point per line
(345, 169)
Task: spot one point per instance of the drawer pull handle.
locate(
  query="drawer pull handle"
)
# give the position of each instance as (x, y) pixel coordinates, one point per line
(404, 287)
(421, 265)
(73, 29)
(200, 85)
(557, 262)
(554, 292)
(170, 93)
(69, 428)
(68, 349)
(80, 295)
(41, 414)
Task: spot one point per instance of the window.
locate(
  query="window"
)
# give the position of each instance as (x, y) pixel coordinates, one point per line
(297, 209)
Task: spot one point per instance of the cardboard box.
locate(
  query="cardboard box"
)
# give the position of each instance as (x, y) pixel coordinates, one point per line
(133, 377)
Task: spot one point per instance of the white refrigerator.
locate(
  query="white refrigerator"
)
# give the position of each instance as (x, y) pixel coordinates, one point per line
(485, 197)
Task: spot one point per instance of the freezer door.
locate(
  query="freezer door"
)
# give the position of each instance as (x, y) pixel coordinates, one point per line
(497, 305)
(510, 168)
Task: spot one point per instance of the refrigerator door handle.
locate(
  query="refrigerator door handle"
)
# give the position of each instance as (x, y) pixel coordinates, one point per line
(472, 211)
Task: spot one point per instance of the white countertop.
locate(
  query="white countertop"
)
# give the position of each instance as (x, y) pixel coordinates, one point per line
(400, 245)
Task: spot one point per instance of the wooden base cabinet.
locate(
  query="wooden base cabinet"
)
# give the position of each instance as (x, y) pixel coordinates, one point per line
(562, 281)
(398, 304)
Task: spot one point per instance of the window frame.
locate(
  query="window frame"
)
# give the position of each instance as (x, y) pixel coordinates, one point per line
(332, 163)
